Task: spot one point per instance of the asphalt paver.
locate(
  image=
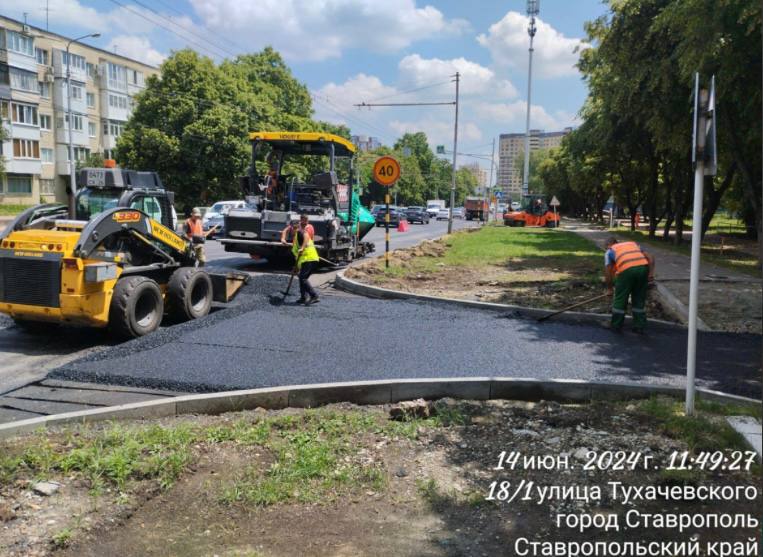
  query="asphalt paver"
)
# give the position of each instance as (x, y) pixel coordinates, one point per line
(260, 342)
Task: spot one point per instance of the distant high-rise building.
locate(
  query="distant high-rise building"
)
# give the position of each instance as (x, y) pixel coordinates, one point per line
(511, 147)
(365, 143)
(479, 173)
(33, 108)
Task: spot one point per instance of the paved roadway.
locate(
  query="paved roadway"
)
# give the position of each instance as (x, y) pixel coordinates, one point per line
(261, 343)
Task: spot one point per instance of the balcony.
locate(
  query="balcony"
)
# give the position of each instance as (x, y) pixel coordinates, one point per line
(59, 97)
(22, 166)
(111, 112)
(22, 61)
(59, 68)
(23, 131)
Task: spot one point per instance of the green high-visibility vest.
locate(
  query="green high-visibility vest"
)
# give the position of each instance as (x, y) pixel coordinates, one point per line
(308, 254)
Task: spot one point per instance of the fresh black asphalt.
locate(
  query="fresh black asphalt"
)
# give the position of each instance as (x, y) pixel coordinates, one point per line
(260, 343)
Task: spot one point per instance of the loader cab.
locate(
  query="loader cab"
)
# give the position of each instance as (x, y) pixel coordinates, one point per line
(100, 189)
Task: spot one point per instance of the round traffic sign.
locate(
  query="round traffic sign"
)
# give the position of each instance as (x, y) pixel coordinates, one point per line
(386, 171)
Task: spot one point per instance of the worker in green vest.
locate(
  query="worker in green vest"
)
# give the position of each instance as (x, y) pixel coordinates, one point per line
(307, 260)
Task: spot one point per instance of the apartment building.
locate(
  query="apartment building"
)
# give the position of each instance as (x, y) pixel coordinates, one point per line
(33, 107)
(365, 143)
(479, 173)
(511, 149)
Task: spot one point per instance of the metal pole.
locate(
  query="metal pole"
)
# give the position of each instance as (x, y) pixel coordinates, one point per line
(455, 153)
(386, 232)
(492, 165)
(696, 239)
(526, 177)
(72, 181)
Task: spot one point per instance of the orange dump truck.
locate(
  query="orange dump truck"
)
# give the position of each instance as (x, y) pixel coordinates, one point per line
(476, 208)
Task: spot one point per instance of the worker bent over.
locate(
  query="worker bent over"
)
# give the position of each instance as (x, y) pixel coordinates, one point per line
(307, 259)
(630, 270)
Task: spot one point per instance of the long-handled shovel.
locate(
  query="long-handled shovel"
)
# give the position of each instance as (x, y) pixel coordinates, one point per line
(288, 287)
(573, 306)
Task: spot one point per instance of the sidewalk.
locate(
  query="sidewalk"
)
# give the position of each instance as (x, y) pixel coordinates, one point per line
(728, 300)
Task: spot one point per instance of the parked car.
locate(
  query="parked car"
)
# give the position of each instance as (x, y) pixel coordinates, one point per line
(417, 214)
(215, 216)
(395, 214)
(443, 214)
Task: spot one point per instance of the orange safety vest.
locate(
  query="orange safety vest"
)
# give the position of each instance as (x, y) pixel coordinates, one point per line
(627, 255)
(193, 228)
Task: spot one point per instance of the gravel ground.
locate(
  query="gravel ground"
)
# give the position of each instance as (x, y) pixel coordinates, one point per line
(260, 343)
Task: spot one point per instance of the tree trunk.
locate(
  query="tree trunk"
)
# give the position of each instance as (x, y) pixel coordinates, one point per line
(714, 197)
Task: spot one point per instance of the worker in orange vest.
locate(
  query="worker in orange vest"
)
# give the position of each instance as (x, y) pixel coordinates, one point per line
(196, 235)
(628, 272)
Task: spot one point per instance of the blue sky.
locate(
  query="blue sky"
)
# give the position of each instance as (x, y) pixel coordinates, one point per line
(349, 51)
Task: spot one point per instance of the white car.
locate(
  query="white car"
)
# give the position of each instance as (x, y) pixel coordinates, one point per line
(219, 210)
(516, 205)
(443, 214)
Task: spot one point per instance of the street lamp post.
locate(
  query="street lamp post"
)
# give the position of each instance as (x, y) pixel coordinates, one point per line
(72, 181)
(533, 7)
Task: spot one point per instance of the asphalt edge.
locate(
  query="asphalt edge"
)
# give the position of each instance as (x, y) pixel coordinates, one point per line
(368, 392)
(575, 317)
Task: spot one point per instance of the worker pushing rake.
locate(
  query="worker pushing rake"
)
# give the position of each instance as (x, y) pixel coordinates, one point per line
(306, 259)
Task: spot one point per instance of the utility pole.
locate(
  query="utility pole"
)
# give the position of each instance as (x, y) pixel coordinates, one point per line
(533, 7)
(491, 182)
(72, 180)
(455, 154)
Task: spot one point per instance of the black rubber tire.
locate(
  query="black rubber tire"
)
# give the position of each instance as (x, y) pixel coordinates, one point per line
(137, 307)
(189, 294)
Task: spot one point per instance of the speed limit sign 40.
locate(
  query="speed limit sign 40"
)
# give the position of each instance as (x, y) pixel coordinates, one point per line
(386, 171)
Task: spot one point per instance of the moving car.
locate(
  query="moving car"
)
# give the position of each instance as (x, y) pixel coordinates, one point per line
(395, 214)
(417, 214)
(458, 212)
(216, 213)
(434, 206)
(516, 205)
(443, 214)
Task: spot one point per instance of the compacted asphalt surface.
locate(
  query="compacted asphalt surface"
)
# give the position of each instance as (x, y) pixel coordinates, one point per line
(260, 342)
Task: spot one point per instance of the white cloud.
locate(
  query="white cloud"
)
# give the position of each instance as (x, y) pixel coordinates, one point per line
(513, 114)
(554, 54)
(357, 89)
(321, 29)
(475, 79)
(137, 48)
(439, 130)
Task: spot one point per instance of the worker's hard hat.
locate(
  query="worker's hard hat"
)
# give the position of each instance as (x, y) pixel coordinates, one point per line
(195, 212)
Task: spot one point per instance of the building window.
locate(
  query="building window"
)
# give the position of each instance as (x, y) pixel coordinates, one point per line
(19, 43)
(46, 155)
(42, 56)
(45, 121)
(112, 127)
(26, 149)
(4, 109)
(47, 187)
(19, 184)
(77, 61)
(117, 76)
(24, 114)
(80, 154)
(4, 77)
(136, 78)
(44, 88)
(91, 100)
(118, 101)
(64, 122)
(90, 68)
(91, 129)
(26, 81)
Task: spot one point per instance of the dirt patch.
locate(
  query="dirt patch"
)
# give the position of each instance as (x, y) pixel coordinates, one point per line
(433, 496)
(536, 282)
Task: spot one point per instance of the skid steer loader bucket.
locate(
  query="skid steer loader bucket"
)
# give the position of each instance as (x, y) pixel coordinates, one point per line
(226, 285)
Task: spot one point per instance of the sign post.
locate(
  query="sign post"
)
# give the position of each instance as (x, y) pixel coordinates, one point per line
(386, 173)
(554, 203)
(705, 163)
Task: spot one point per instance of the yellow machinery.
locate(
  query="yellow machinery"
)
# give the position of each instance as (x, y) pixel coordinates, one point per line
(120, 269)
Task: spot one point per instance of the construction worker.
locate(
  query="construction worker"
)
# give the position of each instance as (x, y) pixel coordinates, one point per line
(307, 260)
(196, 235)
(287, 233)
(628, 272)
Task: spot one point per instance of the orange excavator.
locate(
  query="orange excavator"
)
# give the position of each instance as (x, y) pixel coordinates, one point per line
(534, 212)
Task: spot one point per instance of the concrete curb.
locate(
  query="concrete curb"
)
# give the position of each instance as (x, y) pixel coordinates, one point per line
(368, 392)
(575, 317)
(677, 307)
